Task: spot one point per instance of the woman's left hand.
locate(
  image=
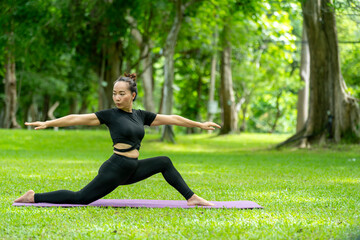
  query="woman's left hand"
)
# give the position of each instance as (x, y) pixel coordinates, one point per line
(209, 126)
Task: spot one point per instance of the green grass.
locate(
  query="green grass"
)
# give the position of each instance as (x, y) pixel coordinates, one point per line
(306, 194)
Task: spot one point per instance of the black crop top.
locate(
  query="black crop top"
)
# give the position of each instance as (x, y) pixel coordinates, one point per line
(126, 127)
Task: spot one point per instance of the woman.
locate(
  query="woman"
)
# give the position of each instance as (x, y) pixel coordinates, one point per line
(126, 127)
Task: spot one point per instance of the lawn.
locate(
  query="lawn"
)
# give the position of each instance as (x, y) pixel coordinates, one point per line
(306, 194)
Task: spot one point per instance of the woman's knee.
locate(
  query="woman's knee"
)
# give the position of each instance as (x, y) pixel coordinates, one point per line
(166, 161)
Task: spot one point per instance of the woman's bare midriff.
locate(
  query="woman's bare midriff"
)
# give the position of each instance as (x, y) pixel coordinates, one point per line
(131, 154)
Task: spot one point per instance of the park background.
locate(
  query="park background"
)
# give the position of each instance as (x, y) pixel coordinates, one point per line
(271, 73)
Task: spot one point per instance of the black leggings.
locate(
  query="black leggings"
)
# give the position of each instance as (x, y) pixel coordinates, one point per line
(119, 170)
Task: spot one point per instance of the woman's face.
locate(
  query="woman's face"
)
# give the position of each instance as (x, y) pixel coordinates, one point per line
(122, 96)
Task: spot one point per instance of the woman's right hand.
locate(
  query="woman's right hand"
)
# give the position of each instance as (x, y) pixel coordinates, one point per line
(38, 125)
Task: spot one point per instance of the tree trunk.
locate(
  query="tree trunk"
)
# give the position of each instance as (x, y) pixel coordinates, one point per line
(229, 113)
(211, 105)
(278, 112)
(101, 91)
(51, 113)
(2, 116)
(46, 106)
(333, 113)
(161, 100)
(167, 103)
(10, 90)
(109, 72)
(244, 112)
(112, 69)
(198, 100)
(146, 64)
(211, 112)
(32, 114)
(246, 98)
(73, 105)
(147, 77)
(303, 95)
(84, 105)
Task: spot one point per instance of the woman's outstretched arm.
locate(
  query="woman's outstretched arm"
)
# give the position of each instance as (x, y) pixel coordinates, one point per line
(69, 120)
(181, 121)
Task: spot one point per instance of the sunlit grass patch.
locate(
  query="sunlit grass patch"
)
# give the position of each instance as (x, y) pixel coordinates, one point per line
(306, 194)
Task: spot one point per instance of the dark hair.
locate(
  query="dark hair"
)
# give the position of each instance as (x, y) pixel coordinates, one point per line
(130, 78)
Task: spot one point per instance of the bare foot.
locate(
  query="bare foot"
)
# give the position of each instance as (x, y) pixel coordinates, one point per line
(195, 200)
(28, 197)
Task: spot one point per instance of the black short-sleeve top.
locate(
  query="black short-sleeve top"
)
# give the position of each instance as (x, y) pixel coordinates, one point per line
(126, 127)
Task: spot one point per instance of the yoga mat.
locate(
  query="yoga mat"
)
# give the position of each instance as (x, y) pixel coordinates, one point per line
(148, 204)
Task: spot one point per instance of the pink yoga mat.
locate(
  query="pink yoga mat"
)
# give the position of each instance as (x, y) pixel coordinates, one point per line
(136, 203)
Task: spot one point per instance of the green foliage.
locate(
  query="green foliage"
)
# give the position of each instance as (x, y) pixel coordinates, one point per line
(265, 110)
(262, 56)
(59, 48)
(349, 36)
(306, 194)
(265, 68)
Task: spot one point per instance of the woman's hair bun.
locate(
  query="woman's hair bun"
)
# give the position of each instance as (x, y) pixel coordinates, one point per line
(131, 75)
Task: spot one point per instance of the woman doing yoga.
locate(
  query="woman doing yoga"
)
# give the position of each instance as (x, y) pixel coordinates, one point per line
(126, 127)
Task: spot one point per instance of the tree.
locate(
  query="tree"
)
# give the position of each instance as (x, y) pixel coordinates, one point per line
(111, 26)
(229, 113)
(97, 32)
(333, 113)
(303, 95)
(347, 23)
(235, 12)
(10, 87)
(268, 63)
(212, 104)
(8, 23)
(145, 44)
(169, 51)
